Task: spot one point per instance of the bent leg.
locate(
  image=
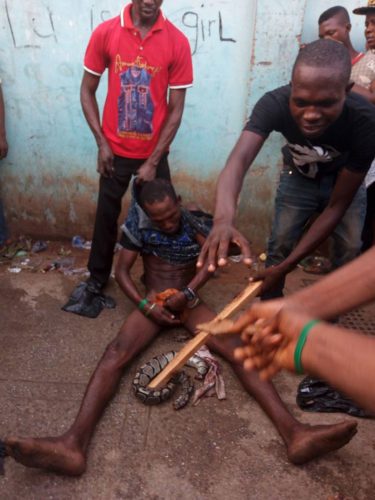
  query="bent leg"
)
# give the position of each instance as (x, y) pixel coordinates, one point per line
(303, 442)
(67, 453)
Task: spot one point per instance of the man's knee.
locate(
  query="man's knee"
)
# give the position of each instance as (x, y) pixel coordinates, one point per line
(117, 353)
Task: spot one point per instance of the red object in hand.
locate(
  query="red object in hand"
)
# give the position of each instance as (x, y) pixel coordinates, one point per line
(161, 297)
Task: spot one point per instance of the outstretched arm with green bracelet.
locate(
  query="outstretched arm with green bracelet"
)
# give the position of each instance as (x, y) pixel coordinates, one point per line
(301, 344)
(343, 358)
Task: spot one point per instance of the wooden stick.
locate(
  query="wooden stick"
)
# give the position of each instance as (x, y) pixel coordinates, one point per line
(191, 347)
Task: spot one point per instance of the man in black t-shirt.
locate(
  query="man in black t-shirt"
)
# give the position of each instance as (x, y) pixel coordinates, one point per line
(330, 136)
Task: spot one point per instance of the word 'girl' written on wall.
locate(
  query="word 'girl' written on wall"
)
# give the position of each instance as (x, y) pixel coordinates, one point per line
(36, 30)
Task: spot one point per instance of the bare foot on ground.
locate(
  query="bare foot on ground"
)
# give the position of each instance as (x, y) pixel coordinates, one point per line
(52, 454)
(315, 441)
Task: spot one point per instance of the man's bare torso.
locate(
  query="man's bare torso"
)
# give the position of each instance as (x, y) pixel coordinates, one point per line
(160, 275)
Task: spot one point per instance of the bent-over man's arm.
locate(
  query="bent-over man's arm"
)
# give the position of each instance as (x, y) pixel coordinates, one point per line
(124, 264)
(215, 249)
(151, 310)
(347, 184)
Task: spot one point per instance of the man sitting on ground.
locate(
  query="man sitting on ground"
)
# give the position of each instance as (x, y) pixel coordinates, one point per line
(169, 238)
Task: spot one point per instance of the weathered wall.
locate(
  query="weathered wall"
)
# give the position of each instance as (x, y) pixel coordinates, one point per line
(240, 49)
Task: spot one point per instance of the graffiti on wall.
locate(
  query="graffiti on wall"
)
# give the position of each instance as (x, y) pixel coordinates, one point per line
(200, 29)
(42, 28)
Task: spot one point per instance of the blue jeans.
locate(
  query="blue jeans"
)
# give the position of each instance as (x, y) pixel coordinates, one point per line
(297, 199)
(3, 227)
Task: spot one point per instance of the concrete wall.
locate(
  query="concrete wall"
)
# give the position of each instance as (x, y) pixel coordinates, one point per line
(240, 50)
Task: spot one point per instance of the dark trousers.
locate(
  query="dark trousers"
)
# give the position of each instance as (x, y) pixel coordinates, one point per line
(111, 191)
(297, 200)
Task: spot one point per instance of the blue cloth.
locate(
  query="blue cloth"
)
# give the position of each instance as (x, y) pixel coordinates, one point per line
(139, 234)
(297, 199)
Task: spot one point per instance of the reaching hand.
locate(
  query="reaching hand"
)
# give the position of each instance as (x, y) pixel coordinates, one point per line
(146, 172)
(215, 248)
(266, 310)
(270, 344)
(105, 160)
(161, 315)
(271, 277)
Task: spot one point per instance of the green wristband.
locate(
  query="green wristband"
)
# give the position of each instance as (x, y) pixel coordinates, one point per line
(142, 304)
(301, 344)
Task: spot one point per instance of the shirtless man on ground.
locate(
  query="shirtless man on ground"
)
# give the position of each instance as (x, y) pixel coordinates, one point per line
(169, 238)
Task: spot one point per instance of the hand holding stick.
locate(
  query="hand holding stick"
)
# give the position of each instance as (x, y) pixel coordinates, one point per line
(191, 347)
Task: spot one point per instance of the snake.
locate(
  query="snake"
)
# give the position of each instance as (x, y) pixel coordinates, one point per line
(149, 370)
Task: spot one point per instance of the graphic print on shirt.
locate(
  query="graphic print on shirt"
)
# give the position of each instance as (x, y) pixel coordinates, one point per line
(135, 104)
(306, 158)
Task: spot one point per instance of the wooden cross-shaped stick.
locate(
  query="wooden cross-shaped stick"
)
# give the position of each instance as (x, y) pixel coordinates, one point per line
(191, 347)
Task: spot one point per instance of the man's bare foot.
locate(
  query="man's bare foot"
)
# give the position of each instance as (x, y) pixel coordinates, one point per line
(52, 454)
(314, 441)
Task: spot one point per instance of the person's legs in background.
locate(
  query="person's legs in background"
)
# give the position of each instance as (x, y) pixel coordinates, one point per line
(111, 191)
(297, 199)
(87, 298)
(347, 237)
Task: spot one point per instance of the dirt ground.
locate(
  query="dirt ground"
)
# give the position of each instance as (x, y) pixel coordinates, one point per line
(216, 450)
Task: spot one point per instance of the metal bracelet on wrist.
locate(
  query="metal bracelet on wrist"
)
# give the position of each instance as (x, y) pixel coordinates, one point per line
(149, 310)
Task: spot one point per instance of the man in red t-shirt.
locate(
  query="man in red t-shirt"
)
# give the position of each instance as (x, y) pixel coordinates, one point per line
(146, 55)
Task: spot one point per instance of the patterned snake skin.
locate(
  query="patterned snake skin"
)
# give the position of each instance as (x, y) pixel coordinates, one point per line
(149, 370)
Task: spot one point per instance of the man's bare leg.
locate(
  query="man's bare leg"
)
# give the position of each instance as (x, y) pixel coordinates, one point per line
(303, 442)
(67, 454)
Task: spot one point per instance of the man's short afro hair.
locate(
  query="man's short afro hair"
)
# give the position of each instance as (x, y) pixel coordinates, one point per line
(326, 53)
(155, 191)
(332, 12)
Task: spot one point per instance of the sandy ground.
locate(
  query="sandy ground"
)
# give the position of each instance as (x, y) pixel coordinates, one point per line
(217, 450)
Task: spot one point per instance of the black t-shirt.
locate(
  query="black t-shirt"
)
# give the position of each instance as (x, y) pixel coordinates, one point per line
(349, 142)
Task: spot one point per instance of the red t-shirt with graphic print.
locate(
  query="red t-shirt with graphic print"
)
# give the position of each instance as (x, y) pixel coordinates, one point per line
(139, 74)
